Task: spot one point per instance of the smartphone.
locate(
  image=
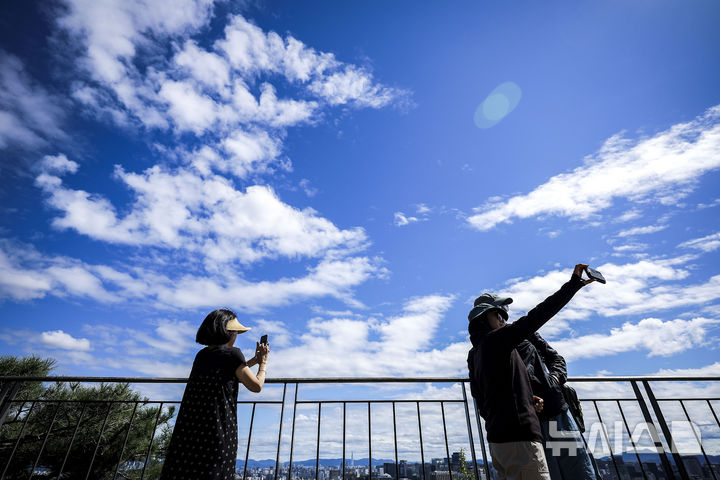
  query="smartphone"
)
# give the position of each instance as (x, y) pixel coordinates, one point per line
(594, 274)
(263, 339)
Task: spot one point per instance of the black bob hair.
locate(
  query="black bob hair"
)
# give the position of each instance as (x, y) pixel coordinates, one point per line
(213, 331)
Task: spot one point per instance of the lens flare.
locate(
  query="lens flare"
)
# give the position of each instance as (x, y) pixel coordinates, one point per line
(497, 105)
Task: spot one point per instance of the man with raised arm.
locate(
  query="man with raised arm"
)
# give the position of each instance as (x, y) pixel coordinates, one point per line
(500, 383)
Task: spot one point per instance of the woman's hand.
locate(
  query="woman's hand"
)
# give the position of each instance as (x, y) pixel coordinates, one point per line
(539, 403)
(261, 352)
(579, 269)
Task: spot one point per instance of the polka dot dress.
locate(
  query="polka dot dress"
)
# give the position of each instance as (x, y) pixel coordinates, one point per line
(204, 440)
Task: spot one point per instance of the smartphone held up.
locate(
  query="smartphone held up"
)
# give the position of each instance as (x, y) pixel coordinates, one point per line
(595, 275)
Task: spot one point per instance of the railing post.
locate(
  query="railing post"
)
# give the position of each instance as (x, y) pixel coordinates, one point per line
(282, 414)
(653, 431)
(666, 431)
(469, 426)
(292, 434)
(482, 442)
(369, 443)
(247, 450)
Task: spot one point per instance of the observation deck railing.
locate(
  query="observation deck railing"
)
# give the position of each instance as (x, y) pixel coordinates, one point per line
(635, 430)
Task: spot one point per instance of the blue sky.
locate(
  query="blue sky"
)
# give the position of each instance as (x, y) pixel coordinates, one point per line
(348, 177)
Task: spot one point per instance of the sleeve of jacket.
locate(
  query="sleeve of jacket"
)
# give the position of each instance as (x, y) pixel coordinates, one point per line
(509, 336)
(471, 373)
(551, 358)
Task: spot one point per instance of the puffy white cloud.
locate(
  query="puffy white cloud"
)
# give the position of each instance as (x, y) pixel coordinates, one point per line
(189, 109)
(657, 337)
(58, 164)
(27, 274)
(348, 346)
(206, 67)
(60, 339)
(29, 115)
(182, 209)
(707, 243)
(662, 168)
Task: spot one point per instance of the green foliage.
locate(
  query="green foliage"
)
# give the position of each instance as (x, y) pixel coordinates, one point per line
(464, 471)
(80, 428)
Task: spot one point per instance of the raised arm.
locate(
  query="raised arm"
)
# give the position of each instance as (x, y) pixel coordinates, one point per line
(511, 335)
(253, 382)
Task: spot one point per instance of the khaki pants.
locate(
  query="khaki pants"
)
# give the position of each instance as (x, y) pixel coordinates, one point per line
(519, 461)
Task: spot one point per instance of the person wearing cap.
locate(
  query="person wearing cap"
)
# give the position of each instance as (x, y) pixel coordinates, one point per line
(565, 451)
(204, 439)
(500, 384)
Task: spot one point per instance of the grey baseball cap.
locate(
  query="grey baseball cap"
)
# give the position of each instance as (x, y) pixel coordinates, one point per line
(489, 301)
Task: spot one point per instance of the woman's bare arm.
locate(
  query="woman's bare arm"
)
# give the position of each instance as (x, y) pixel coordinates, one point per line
(253, 382)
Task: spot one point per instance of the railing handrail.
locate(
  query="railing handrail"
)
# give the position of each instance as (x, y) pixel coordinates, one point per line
(649, 378)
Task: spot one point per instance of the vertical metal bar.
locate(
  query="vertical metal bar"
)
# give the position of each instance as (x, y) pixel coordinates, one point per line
(47, 434)
(422, 451)
(469, 427)
(282, 415)
(607, 439)
(653, 431)
(152, 437)
(447, 447)
(6, 402)
(292, 436)
(482, 442)
(17, 442)
(342, 477)
(72, 439)
(666, 431)
(632, 442)
(97, 444)
(247, 450)
(713, 412)
(127, 434)
(397, 468)
(707, 461)
(317, 451)
(369, 444)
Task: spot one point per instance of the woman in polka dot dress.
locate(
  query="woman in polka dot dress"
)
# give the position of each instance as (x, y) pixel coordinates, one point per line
(204, 440)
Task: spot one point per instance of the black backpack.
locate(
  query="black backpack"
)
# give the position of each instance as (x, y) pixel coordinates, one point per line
(574, 405)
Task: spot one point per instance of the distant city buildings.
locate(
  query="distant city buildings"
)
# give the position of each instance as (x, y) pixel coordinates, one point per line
(437, 469)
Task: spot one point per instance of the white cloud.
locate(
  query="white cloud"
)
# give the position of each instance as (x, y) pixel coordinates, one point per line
(60, 339)
(657, 337)
(58, 164)
(206, 67)
(27, 274)
(707, 243)
(181, 209)
(190, 111)
(642, 230)
(662, 168)
(29, 115)
(401, 220)
(351, 340)
(353, 85)
(422, 211)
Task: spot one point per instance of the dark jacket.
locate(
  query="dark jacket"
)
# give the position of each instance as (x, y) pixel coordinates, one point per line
(537, 354)
(498, 378)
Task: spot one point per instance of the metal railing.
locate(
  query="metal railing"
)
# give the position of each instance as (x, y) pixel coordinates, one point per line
(645, 426)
